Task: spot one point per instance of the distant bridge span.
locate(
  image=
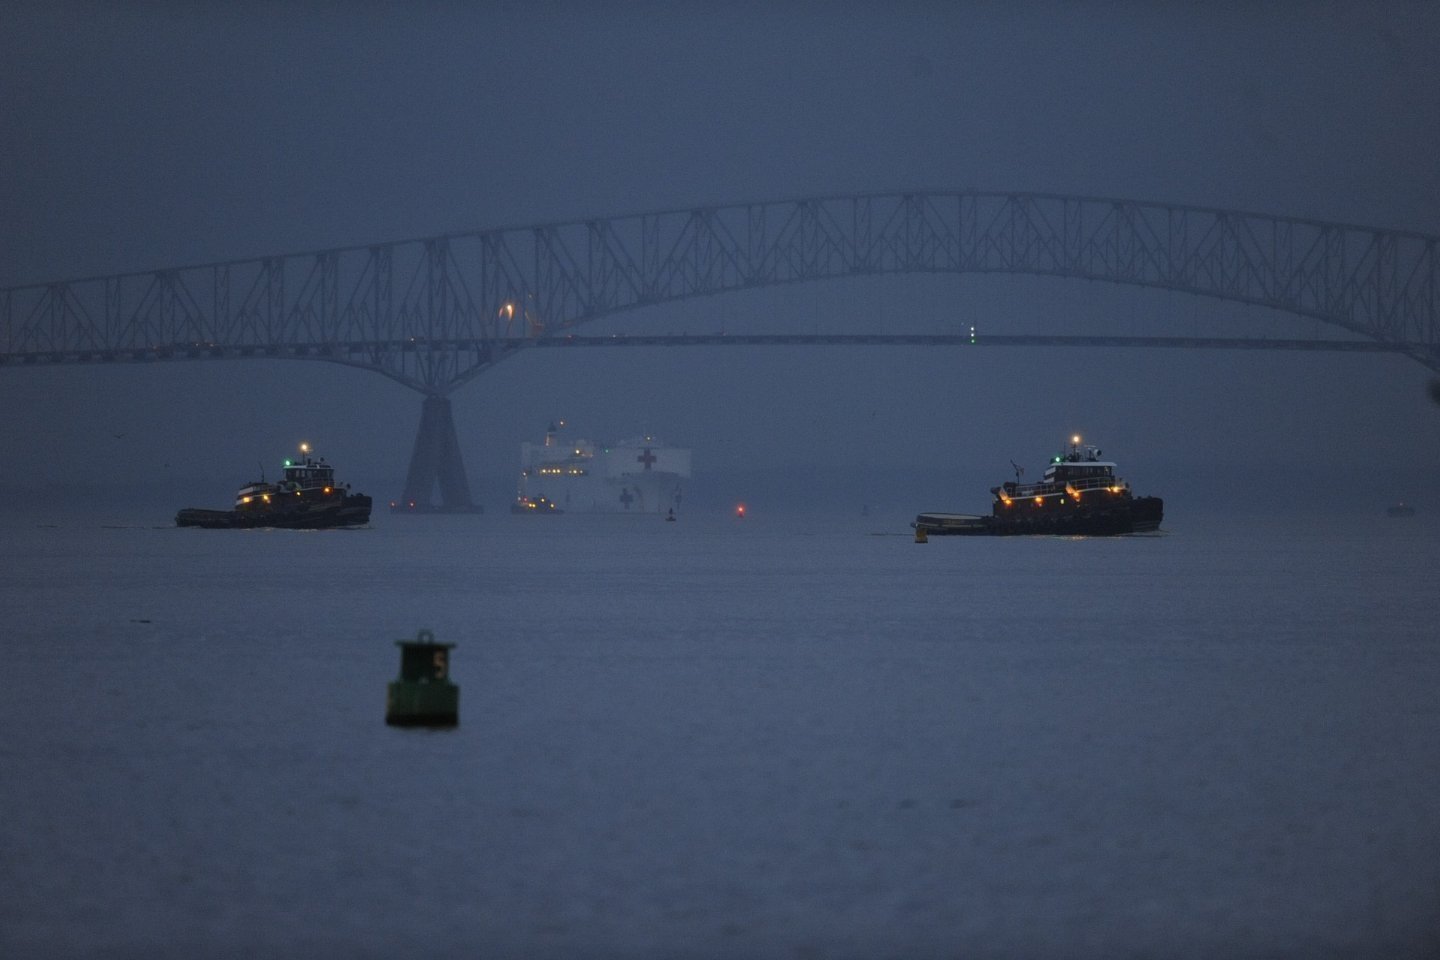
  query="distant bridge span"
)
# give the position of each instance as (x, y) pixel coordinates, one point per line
(433, 313)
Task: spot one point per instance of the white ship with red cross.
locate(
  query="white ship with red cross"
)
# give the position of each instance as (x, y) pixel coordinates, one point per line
(566, 474)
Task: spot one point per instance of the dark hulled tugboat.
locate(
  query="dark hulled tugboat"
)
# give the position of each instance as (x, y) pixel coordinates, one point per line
(306, 498)
(1079, 495)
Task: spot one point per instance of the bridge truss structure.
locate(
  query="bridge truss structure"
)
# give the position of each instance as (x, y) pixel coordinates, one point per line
(433, 313)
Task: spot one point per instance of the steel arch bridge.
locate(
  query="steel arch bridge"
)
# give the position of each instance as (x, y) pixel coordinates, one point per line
(432, 313)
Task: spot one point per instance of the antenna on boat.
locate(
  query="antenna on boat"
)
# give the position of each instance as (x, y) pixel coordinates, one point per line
(262, 470)
(1019, 470)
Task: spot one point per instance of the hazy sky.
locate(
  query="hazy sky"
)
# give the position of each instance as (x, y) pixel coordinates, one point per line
(141, 136)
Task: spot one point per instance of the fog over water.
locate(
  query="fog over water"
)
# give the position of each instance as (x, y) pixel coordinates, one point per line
(721, 740)
(139, 138)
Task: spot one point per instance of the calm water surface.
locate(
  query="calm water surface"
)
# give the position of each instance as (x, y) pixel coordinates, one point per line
(718, 738)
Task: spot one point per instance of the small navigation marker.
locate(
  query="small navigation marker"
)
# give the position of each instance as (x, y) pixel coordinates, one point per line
(424, 695)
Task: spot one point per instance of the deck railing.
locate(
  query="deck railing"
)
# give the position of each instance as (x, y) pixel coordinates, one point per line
(1080, 484)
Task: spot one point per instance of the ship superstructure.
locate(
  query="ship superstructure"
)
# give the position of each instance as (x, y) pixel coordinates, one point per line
(563, 474)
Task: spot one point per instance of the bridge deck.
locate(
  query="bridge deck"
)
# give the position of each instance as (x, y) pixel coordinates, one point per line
(354, 351)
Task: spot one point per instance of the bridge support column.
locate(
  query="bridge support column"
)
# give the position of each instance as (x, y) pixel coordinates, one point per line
(436, 458)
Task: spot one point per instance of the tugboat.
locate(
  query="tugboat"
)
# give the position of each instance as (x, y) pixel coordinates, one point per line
(306, 498)
(1079, 495)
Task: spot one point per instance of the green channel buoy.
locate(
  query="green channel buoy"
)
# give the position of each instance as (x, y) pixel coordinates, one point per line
(424, 695)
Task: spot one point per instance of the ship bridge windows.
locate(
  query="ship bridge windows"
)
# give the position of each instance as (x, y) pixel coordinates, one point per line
(1078, 472)
(306, 473)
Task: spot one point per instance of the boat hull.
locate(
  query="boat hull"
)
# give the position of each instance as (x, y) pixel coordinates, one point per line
(1137, 515)
(350, 511)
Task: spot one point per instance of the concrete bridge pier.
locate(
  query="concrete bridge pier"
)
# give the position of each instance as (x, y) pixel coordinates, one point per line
(436, 461)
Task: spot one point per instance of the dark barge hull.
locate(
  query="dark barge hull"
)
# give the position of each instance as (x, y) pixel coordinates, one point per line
(351, 511)
(1140, 515)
